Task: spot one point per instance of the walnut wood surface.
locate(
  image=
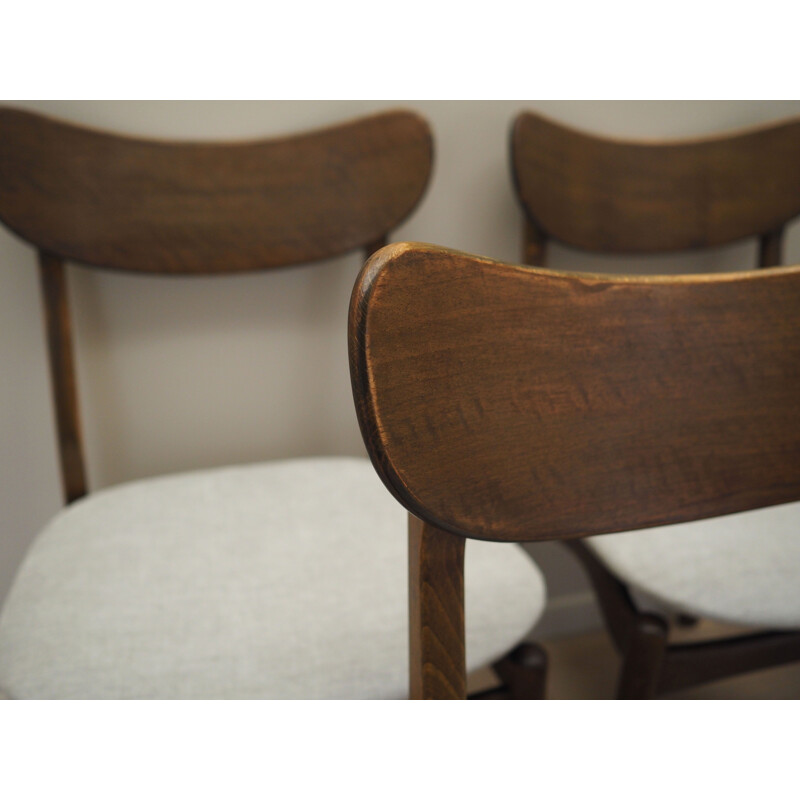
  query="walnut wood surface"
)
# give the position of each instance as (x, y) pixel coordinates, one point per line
(438, 667)
(512, 403)
(62, 374)
(770, 249)
(615, 196)
(177, 207)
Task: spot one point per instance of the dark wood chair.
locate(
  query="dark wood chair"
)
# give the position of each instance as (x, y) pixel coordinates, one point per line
(511, 403)
(615, 197)
(248, 581)
(610, 196)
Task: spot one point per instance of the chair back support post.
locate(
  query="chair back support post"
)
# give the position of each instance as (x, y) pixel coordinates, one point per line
(58, 328)
(770, 248)
(372, 247)
(438, 666)
(534, 247)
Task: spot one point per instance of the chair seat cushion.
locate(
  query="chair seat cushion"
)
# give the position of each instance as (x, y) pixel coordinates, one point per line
(279, 580)
(741, 569)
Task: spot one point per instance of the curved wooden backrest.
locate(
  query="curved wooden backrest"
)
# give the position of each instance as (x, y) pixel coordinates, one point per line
(156, 206)
(512, 403)
(614, 196)
(185, 208)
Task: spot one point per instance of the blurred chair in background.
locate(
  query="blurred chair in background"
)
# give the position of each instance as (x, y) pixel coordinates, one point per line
(281, 579)
(514, 404)
(619, 197)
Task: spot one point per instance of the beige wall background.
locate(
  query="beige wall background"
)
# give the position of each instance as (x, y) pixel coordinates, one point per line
(181, 374)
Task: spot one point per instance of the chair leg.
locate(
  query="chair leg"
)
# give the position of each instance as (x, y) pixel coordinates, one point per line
(643, 657)
(524, 672)
(438, 665)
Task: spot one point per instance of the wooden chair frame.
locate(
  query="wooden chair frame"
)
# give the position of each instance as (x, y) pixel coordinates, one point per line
(612, 196)
(513, 404)
(188, 208)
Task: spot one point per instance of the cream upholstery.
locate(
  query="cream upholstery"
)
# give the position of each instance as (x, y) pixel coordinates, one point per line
(741, 569)
(281, 580)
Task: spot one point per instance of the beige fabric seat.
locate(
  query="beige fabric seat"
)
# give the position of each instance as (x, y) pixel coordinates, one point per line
(278, 580)
(741, 569)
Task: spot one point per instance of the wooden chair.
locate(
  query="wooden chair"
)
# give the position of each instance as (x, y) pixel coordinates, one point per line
(511, 403)
(267, 580)
(617, 197)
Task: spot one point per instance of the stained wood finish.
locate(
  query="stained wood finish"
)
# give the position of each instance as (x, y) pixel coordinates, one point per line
(770, 249)
(438, 666)
(176, 207)
(643, 658)
(524, 671)
(620, 612)
(512, 403)
(62, 374)
(615, 196)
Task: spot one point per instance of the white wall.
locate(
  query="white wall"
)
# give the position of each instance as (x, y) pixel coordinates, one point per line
(178, 374)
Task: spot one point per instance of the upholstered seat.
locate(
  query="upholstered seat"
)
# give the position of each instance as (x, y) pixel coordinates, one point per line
(741, 569)
(178, 587)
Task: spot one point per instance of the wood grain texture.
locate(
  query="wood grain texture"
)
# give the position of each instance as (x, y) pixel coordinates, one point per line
(512, 403)
(614, 196)
(178, 207)
(62, 373)
(438, 666)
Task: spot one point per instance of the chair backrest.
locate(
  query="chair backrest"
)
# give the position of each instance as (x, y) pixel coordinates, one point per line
(611, 196)
(514, 403)
(182, 208)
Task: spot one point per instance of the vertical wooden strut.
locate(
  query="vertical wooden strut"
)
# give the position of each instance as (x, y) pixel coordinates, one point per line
(62, 372)
(375, 245)
(438, 667)
(534, 244)
(770, 247)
